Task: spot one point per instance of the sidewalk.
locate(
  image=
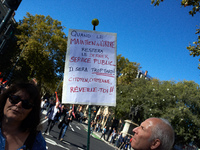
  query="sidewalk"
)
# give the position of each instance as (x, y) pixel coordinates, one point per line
(98, 134)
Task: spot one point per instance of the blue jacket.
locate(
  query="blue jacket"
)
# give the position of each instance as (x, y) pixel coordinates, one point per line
(39, 143)
(50, 113)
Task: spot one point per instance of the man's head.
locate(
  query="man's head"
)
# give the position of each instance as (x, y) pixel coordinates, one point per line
(153, 134)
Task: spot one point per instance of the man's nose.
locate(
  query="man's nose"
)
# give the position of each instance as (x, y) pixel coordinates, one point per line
(135, 129)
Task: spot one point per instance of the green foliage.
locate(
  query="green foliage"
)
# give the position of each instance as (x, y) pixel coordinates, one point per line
(126, 70)
(177, 102)
(156, 2)
(195, 48)
(195, 4)
(44, 44)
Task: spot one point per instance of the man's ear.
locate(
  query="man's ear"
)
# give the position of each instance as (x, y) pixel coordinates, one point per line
(155, 144)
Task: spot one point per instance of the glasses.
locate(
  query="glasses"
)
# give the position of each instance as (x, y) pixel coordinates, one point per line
(16, 99)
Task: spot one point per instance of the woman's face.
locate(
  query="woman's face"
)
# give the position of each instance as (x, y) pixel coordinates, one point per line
(16, 112)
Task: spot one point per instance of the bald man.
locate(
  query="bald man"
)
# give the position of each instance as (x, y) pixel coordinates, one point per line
(153, 134)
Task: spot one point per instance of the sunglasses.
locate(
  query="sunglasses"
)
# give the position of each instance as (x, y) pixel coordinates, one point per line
(13, 99)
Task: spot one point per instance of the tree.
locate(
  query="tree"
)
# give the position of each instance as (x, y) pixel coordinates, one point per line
(186, 114)
(126, 70)
(195, 4)
(44, 44)
(126, 73)
(195, 48)
(177, 102)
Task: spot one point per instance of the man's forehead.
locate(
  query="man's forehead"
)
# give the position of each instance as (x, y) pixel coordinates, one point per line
(147, 123)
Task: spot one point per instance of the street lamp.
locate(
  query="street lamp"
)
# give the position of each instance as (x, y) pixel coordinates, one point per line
(95, 22)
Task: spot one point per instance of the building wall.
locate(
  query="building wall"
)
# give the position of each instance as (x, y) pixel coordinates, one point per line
(3, 11)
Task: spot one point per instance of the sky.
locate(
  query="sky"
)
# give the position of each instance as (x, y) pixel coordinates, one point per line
(155, 37)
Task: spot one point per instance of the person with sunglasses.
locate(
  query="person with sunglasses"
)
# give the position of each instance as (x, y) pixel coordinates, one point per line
(20, 118)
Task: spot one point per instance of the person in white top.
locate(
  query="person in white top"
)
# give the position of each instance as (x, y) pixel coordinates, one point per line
(53, 115)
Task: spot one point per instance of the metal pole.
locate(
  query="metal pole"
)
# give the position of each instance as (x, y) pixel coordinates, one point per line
(59, 85)
(89, 122)
(95, 22)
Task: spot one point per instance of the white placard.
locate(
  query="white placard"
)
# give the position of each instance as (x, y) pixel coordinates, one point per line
(90, 68)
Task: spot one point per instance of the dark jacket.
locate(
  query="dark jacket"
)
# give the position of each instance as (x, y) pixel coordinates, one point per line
(50, 113)
(109, 132)
(67, 118)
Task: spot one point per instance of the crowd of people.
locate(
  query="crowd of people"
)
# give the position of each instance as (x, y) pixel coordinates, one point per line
(57, 113)
(116, 138)
(20, 112)
(112, 136)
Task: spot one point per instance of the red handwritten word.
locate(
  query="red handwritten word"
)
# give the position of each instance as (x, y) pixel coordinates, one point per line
(82, 89)
(80, 59)
(104, 62)
(98, 55)
(95, 43)
(101, 70)
(88, 80)
(92, 50)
